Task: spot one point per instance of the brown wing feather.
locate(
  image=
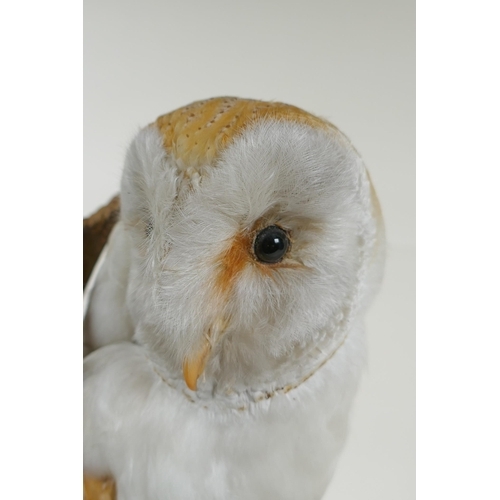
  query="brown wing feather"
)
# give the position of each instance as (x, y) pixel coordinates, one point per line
(96, 229)
(98, 489)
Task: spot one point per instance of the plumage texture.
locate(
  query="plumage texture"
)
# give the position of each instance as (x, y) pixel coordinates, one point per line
(215, 375)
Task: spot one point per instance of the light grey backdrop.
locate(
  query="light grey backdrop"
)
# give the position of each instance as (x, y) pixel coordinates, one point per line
(350, 61)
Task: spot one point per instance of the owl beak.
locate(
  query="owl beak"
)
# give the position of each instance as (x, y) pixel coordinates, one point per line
(195, 364)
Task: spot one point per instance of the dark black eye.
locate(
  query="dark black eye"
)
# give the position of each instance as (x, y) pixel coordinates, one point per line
(271, 244)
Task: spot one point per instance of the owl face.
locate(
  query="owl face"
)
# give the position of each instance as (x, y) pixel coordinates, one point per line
(248, 257)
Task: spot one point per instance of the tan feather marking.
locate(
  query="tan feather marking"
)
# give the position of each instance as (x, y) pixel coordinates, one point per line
(377, 210)
(196, 134)
(98, 489)
(377, 214)
(231, 262)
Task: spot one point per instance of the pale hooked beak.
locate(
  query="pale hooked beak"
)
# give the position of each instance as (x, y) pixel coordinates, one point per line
(195, 364)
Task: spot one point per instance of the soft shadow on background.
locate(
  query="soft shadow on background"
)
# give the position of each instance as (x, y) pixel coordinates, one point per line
(352, 62)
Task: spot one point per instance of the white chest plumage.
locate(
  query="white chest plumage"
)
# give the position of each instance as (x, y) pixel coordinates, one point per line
(157, 443)
(226, 321)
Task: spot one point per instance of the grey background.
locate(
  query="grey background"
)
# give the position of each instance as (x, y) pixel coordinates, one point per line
(352, 62)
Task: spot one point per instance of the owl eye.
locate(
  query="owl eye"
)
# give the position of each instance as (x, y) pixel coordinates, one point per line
(271, 244)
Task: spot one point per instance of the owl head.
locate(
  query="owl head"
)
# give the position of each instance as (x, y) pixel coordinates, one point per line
(256, 241)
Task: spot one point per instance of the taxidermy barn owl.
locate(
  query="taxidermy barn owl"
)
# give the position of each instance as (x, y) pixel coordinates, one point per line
(225, 324)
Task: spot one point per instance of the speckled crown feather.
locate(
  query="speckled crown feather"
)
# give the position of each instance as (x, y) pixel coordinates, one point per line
(196, 134)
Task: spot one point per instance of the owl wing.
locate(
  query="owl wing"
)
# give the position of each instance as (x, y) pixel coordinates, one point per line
(106, 252)
(96, 230)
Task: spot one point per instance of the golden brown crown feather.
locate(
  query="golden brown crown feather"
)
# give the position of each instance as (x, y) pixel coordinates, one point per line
(195, 134)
